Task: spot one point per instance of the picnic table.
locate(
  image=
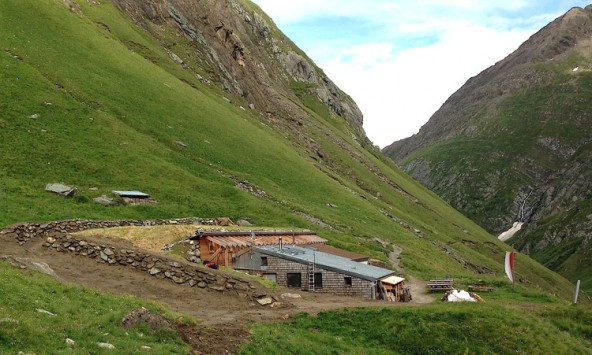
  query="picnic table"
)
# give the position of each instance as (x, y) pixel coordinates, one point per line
(440, 285)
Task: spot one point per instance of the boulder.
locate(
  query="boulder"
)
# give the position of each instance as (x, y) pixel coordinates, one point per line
(104, 200)
(265, 301)
(106, 346)
(144, 316)
(61, 189)
(224, 221)
(243, 222)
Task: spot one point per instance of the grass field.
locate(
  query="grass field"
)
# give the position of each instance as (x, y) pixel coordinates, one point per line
(470, 328)
(85, 316)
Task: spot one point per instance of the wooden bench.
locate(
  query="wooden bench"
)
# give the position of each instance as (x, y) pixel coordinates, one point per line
(480, 287)
(440, 285)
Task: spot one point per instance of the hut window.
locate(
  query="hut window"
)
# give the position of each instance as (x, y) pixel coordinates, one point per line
(294, 279)
(318, 279)
(264, 261)
(347, 280)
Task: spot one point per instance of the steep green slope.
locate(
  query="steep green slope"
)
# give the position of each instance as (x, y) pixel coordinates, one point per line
(112, 109)
(514, 143)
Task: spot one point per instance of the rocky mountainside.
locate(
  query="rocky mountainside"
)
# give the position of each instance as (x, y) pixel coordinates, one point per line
(514, 144)
(235, 45)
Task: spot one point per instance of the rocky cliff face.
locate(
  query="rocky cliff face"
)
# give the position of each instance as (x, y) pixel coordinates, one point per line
(232, 43)
(514, 143)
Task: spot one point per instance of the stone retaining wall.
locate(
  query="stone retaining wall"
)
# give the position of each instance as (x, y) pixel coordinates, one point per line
(23, 232)
(57, 237)
(157, 266)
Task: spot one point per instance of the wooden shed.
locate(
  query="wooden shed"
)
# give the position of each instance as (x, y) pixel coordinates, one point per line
(221, 247)
(392, 288)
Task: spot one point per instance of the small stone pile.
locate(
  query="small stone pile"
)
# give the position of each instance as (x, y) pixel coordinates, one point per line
(193, 252)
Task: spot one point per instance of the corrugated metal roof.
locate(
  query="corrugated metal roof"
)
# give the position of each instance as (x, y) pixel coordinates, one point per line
(231, 241)
(133, 194)
(340, 252)
(326, 261)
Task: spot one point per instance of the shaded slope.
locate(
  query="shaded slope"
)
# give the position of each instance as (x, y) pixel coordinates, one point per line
(120, 103)
(513, 144)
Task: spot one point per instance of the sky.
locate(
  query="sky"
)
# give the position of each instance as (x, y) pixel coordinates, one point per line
(400, 60)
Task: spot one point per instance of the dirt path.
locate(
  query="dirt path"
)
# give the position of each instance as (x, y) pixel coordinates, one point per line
(213, 309)
(418, 287)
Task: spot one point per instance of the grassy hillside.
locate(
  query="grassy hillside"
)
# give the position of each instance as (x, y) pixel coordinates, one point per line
(25, 329)
(508, 158)
(436, 329)
(109, 118)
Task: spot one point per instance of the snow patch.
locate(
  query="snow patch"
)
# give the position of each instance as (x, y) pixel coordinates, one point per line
(510, 232)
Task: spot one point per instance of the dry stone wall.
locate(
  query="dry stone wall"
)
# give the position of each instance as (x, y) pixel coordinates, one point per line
(156, 265)
(23, 232)
(57, 237)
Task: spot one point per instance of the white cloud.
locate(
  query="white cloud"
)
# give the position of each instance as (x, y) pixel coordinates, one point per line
(397, 94)
(400, 60)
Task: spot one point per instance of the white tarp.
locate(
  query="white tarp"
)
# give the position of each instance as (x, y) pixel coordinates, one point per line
(460, 296)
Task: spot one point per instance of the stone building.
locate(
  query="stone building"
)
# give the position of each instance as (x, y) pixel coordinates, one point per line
(308, 269)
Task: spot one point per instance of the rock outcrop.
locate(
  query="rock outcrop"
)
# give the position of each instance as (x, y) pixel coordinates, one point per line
(241, 49)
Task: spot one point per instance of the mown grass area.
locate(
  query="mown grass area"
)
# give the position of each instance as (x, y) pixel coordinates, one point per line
(113, 122)
(474, 328)
(85, 316)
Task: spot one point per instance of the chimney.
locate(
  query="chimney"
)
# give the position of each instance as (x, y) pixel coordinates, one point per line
(281, 247)
(293, 236)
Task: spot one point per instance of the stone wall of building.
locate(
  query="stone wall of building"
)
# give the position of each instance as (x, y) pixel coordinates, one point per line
(333, 282)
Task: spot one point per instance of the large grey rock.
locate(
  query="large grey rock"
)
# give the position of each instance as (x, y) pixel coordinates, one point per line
(104, 200)
(61, 189)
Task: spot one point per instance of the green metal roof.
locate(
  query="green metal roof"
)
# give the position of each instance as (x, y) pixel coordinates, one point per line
(326, 261)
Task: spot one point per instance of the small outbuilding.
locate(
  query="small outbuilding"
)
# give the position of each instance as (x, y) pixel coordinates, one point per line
(308, 269)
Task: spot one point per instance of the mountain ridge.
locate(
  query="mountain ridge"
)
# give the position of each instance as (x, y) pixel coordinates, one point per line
(520, 133)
